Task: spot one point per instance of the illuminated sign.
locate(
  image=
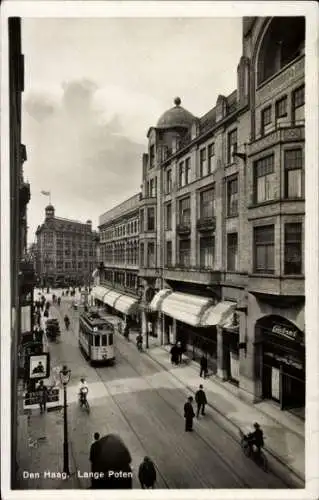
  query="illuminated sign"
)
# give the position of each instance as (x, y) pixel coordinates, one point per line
(290, 333)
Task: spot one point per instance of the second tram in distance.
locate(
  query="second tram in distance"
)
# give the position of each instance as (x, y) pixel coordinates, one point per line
(96, 337)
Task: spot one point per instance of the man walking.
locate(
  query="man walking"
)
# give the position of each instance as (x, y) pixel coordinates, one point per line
(201, 401)
(43, 396)
(93, 455)
(147, 473)
(189, 415)
(203, 366)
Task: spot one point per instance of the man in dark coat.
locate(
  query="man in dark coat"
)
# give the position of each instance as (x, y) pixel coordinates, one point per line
(93, 455)
(174, 355)
(179, 352)
(189, 414)
(201, 401)
(147, 473)
(113, 460)
(203, 366)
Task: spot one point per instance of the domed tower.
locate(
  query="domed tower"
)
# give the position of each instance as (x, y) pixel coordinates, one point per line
(49, 212)
(176, 117)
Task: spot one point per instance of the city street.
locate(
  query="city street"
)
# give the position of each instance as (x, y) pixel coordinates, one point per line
(141, 402)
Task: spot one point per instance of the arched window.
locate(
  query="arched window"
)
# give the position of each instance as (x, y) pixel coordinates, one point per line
(283, 42)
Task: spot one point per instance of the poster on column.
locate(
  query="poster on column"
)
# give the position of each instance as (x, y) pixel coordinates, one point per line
(275, 383)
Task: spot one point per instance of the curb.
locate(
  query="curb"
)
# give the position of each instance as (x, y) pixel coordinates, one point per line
(235, 435)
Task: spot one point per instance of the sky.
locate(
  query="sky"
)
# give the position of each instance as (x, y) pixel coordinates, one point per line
(93, 87)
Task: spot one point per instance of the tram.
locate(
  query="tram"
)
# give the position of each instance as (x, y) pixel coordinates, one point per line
(96, 337)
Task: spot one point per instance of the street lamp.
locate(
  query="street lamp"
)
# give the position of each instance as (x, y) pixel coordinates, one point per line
(65, 375)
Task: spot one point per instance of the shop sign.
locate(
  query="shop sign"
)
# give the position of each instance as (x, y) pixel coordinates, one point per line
(287, 332)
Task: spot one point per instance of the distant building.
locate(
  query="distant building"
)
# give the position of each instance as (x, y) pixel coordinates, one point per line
(118, 269)
(66, 251)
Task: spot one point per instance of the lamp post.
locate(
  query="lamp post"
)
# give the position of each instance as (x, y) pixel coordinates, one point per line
(65, 375)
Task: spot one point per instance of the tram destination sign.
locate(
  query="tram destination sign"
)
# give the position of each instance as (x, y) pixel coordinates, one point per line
(289, 333)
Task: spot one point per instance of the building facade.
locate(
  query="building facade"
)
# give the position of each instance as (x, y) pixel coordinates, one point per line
(118, 268)
(22, 272)
(222, 221)
(221, 218)
(66, 251)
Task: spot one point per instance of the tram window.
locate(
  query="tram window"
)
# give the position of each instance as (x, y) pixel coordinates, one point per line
(97, 340)
(111, 339)
(90, 339)
(104, 340)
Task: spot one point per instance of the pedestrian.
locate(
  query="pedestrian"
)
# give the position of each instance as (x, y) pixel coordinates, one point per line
(201, 401)
(203, 366)
(147, 473)
(174, 355)
(93, 455)
(189, 414)
(43, 396)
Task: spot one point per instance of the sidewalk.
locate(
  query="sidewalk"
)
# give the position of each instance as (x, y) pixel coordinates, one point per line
(284, 436)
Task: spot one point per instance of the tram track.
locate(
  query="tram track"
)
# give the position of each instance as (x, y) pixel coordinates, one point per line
(218, 456)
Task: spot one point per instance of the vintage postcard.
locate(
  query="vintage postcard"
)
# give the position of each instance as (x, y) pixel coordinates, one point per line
(159, 249)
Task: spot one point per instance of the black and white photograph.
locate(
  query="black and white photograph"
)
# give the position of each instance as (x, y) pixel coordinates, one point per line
(159, 242)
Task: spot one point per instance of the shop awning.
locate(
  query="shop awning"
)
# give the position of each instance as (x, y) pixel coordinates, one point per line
(111, 297)
(98, 292)
(126, 304)
(156, 302)
(185, 307)
(218, 314)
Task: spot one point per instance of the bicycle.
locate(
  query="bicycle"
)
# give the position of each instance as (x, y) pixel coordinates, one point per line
(84, 402)
(251, 451)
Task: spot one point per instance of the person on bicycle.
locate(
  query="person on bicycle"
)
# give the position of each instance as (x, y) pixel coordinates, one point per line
(66, 321)
(256, 438)
(139, 341)
(83, 391)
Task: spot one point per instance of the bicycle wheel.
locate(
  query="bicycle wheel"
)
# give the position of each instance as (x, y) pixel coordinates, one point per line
(87, 406)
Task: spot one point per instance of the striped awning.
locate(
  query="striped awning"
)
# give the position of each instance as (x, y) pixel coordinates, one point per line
(111, 297)
(126, 304)
(98, 292)
(156, 302)
(182, 306)
(218, 314)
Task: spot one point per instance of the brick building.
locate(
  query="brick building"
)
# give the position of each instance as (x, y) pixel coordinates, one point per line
(118, 269)
(221, 217)
(66, 251)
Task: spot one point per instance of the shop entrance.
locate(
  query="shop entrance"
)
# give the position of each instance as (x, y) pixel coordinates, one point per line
(283, 362)
(197, 342)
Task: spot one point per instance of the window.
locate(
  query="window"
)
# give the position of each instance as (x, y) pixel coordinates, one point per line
(181, 174)
(187, 170)
(184, 252)
(232, 145)
(168, 181)
(152, 188)
(168, 218)
(150, 254)
(206, 251)
(211, 154)
(232, 197)
(265, 118)
(265, 185)
(264, 251)
(202, 162)
(293, 248)
(207, 203)
(151, 219)
(152, 156)
(142, 220)
(232, 251)
(185, 212)
(104, 340)
(293, 173)
(169, 253)
(141, 254)
(281, 107)
(298, 104)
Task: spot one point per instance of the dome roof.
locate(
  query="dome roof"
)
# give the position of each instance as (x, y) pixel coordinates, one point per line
(49, 207)
(176, 117)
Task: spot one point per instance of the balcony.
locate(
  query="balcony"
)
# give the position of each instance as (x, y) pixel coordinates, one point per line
(192, 274)
(206, 223)
(149, 272)
(283, 286)
(183, 228)
(277, 136)
(24, 194)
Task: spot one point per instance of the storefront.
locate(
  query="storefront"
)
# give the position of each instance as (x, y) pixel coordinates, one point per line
(282, 362)
(231, 350)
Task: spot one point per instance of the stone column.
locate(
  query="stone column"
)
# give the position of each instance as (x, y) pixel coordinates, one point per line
(174, 331)
(144, 323)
